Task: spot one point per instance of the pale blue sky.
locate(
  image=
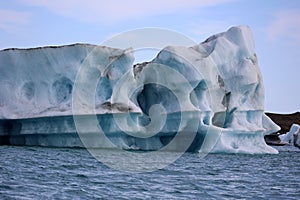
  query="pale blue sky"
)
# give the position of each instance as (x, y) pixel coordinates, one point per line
(275, 24)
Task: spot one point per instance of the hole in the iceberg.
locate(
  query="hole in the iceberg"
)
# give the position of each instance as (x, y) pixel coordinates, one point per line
(62, 89)
(219, 119)
(153, 94)
(165, 140)
(28, 90)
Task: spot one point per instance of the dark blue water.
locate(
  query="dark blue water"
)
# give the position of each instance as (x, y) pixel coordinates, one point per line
(61, 173)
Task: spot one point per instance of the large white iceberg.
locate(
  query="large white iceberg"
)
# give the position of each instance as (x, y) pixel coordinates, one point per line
(209, 96)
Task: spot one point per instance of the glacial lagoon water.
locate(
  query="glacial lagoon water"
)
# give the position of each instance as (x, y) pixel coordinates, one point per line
(66, 173)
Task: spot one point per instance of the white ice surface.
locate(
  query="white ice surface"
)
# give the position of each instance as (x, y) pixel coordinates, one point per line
(293, 136)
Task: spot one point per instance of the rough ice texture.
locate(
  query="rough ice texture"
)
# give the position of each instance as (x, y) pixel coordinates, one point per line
(293, 136)
(219, 83)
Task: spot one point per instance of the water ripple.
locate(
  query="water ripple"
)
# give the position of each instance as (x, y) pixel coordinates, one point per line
(53, 173)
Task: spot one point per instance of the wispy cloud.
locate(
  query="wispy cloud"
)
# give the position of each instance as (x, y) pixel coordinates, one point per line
(115, 10)
(286, 25)
(10, 19)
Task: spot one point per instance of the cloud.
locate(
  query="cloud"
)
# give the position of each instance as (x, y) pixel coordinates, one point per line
(286, 25)
(113, 11)
(10, 19)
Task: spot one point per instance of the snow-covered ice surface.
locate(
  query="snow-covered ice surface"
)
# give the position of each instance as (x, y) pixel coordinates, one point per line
(212, 91)
(293, 136)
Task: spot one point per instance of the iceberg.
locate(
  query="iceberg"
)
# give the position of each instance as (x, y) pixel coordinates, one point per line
(293, 136)
(208, 97)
